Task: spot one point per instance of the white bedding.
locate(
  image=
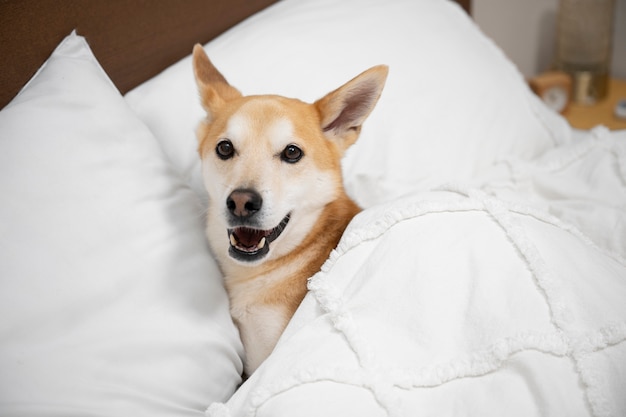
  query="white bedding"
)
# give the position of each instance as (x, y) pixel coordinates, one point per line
(486, 275)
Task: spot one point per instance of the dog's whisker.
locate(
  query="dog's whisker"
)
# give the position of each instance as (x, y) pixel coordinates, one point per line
(201, 214)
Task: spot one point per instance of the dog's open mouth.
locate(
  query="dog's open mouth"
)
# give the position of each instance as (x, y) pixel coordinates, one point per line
(249, 244)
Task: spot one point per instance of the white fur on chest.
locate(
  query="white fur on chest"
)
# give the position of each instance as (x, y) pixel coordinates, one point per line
(260, 324)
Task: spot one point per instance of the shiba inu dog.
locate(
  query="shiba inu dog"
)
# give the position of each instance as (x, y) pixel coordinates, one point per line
(277, 205)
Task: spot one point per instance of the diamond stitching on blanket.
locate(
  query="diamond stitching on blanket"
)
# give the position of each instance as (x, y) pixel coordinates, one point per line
(579, 343)
(569, 344)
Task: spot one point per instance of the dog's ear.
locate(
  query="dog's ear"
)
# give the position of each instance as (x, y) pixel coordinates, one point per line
(213, 87)
(343, 111)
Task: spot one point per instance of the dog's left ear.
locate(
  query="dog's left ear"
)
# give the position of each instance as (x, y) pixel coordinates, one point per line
(343, 111)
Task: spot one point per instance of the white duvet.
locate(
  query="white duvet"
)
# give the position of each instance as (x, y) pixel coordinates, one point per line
(508, 299)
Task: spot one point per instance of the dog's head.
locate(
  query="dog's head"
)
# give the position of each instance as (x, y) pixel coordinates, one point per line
(271, 164)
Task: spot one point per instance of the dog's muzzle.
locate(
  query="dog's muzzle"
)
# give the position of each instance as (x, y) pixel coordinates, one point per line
(249, 244)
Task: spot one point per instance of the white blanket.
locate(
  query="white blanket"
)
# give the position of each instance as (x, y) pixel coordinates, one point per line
(468, 302)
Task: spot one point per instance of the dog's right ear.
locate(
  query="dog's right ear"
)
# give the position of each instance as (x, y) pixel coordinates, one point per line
(213, 87)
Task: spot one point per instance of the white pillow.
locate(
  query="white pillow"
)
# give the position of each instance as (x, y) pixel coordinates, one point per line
(452, 106)
(110, 303)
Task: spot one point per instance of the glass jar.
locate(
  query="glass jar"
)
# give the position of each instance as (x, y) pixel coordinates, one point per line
(584, 41)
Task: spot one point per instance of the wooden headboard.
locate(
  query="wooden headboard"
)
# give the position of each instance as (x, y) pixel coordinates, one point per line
(133, 39)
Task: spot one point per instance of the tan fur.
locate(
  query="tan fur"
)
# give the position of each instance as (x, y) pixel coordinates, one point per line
(309, 255)
(266, 286)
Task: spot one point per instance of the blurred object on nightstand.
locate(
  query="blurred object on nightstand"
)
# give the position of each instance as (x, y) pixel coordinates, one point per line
(620, 109)
(554, 88)
(603, 112)
(583, 50)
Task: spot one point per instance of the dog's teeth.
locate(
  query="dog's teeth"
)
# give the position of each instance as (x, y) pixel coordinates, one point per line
(233, 241)
(261, 243)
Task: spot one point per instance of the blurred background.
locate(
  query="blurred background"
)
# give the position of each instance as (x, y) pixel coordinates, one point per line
(526, 31)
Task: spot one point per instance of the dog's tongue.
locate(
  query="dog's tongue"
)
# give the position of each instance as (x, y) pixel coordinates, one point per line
(249, 237)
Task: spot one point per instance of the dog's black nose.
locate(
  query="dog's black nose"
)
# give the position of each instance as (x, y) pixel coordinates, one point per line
(244, 203)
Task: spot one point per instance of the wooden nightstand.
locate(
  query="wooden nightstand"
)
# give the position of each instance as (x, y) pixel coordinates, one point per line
(587, 117)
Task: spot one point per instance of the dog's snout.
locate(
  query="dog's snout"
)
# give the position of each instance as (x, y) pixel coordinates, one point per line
(244, 203)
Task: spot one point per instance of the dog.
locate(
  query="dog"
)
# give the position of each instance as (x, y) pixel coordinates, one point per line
(277, 206)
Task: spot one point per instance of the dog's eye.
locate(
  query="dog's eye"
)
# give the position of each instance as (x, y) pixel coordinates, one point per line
(292, 154)
(225, 149)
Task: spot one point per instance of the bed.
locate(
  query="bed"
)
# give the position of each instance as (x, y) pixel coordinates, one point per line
(485, 276)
